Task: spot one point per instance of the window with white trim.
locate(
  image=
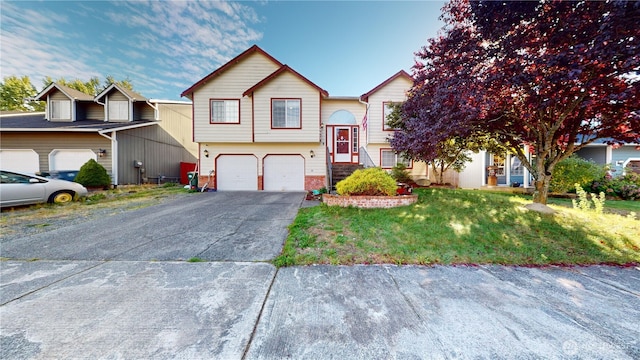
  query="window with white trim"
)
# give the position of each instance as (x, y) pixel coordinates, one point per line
(285, 114)
(225, 111)
(60, 109)
(385, 113)
(118, 110)
(389, 159)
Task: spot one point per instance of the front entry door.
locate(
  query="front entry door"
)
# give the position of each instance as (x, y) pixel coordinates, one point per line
(342, 145)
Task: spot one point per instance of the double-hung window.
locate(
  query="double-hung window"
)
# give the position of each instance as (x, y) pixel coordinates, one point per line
(60, 109)
(285, 113)
(389, 159)
(225, 111)
(118, 110)
(387, 108)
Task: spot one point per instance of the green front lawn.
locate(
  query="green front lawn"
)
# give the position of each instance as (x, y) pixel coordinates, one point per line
(461, 227)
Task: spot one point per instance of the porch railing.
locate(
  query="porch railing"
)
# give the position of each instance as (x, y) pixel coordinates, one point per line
(365, 159)
(329, 170)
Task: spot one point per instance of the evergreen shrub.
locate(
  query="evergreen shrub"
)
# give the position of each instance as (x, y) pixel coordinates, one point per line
(371, 181)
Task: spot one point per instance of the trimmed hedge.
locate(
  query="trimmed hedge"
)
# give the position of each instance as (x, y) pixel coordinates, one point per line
(93, 174)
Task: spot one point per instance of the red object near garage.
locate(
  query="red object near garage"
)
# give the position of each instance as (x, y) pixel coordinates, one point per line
(186, 167)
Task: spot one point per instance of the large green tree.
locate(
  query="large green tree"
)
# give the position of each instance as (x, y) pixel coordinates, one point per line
(15, 93)
(93, 86)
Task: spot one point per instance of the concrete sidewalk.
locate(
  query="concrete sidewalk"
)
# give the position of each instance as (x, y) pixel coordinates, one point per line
(236, 310)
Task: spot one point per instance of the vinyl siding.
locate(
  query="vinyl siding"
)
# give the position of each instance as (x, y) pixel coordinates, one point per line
(175, 119)
(393, 92)
(58, 95)
(93, 111)
(159, 151)
(45, 143)
(142, 111)
(313, 166)
(287, 86)
(230, 84)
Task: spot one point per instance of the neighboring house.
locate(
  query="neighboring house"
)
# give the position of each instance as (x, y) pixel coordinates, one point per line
(261, 125)
(136, 139)
(510, 170)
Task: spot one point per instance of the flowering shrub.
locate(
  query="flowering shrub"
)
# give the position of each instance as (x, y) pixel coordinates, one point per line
(626, 187)
(371, 181)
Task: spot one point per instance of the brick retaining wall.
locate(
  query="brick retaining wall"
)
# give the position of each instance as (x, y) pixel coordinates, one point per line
(369, 202)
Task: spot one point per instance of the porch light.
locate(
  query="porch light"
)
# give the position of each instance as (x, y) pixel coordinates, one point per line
(312, 153)
(102, 152)
(206, 153)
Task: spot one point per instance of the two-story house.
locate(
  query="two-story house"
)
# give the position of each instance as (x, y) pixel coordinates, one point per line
(136, 139)
(261, 125)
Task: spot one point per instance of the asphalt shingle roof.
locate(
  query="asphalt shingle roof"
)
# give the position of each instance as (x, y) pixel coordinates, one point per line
(36, 121)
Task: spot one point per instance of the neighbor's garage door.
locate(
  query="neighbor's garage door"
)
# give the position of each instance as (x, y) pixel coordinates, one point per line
(284, 173)
(237, 172)
(69, 159)
(19, 160)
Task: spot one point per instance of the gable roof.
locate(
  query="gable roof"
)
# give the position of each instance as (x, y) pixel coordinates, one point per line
(72, 94)
(275, 74)
(400, 73)
(229, 64)
(131, 95)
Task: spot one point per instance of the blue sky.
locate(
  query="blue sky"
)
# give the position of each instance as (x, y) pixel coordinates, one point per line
(347, 48)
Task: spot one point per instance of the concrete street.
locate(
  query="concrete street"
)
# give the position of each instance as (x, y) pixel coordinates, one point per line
(120, 288)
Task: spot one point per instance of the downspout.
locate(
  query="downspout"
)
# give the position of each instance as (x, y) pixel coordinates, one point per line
(366, 113)
(155, 110)
(114, 155)
(104, 107)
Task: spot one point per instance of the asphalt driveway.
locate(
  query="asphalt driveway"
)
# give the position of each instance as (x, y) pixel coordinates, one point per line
(119, 288)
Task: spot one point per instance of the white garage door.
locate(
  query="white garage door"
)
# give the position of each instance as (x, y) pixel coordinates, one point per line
(19, 160)
(237, 172)
(284, 173)
(69, 159)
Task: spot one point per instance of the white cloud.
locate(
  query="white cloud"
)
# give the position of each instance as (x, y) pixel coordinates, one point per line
(156, 44)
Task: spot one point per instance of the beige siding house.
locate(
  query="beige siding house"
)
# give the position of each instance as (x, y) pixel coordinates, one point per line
(115, 128)
(260, 125)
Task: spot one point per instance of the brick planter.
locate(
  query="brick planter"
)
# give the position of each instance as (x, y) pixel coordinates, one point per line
(369, 202)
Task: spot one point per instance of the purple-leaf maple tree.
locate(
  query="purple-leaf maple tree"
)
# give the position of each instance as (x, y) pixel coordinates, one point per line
(542, 78)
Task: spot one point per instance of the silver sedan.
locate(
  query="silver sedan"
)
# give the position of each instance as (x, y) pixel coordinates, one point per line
(24, 189)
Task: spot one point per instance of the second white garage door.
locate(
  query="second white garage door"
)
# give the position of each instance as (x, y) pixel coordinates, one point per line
(237, 172)
(284, 173)
(63, 159)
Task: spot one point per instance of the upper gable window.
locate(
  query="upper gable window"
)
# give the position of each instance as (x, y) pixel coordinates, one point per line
(386, 112)
(118, 110)
(285, 114)
(225, 111)
(60, 109)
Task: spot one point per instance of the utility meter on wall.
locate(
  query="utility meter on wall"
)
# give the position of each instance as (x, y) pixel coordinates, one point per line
(137, 164)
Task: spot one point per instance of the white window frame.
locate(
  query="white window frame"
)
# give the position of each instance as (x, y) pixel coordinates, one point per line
(118, 110)
(397, 158)
(292, 118)
(230, 111)
(60, 109)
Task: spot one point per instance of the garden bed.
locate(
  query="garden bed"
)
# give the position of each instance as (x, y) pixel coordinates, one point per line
(369, 202)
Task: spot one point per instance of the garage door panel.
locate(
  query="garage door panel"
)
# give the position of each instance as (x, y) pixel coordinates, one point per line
(237, 172)
(284, 173)
(20, 160)
(72, 159)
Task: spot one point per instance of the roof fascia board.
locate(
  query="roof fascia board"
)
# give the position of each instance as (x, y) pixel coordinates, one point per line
(276, 73)
(400, 73)
(255, 48)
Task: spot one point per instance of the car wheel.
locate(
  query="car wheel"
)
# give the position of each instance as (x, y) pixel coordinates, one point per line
(61, 197)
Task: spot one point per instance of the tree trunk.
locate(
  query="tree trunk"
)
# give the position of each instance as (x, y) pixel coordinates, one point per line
(542, 190)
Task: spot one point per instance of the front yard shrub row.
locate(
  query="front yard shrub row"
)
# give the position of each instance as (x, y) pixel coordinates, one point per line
(626, 187)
